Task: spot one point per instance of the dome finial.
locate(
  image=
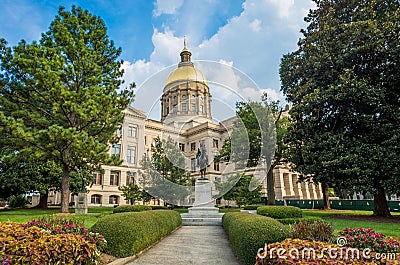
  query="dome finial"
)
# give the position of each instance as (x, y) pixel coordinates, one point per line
(184, 42)
(185, 53)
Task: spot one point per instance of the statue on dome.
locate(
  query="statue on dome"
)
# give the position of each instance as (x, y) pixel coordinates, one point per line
(202, 160)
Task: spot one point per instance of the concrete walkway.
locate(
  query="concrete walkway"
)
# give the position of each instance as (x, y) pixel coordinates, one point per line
(191, 245)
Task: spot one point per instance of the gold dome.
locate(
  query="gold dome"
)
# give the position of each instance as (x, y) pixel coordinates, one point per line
(186, 73)
(186, 70)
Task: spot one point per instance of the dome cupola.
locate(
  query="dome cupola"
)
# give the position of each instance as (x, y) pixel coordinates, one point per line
(186, 93)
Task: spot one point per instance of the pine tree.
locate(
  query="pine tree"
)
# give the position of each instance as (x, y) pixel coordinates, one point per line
(60, 95)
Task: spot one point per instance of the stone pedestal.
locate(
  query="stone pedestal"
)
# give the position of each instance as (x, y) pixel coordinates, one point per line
(203, 211)
(81, 205)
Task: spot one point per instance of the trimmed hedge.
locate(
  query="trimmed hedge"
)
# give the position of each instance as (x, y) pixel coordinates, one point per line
(280, 212)
(158, 207)
(290, 221)
(131, 208)
(129, 233)
(249, 232)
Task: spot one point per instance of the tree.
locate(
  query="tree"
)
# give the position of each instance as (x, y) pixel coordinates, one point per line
(163, 174)
(266, 138)
(343, 83)
(240, 191)
(132, 192)
(59, 95)
(21, 172)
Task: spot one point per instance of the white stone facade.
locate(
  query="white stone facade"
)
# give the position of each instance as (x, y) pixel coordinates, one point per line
(186, 117)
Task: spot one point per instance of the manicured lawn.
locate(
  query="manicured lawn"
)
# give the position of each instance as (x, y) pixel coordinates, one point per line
(389, 229)
(25, 215)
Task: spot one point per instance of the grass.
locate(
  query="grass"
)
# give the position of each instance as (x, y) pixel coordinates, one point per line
(25, 215)
(388, 229)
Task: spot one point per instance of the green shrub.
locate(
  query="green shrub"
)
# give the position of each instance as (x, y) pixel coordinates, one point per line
(280, 212)
(34, 245)
(17, 201)
(317, 231)
(131, 208)
(251, 207)
(249, 232)
(129, 233)
(290, 221)
(159, 207)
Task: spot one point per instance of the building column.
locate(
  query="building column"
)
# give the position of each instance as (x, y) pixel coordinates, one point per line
(295, 186)
(311, 188)
(306, 192)
(279, 185)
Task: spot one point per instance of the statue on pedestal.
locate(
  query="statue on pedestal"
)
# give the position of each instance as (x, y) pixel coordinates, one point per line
(202, 160)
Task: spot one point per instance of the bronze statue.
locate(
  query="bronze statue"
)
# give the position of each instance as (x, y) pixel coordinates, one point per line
(202, 160)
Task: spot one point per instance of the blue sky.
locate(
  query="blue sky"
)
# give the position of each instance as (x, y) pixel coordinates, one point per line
(250, 35)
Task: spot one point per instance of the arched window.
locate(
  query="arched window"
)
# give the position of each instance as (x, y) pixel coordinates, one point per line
(95, 199)
(113, 199)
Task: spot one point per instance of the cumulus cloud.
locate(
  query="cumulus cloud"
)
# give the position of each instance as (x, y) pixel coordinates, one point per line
(167, 7)
(253, 42)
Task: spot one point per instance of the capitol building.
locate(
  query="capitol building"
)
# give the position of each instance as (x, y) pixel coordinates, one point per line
(186, 117)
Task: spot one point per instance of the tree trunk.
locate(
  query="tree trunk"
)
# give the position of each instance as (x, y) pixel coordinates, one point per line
(271, 186)
(381, 206)
(325, 196)
(65, 193)
(43, 201)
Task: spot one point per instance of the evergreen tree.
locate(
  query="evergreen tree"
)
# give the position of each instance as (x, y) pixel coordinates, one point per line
(343, 81)
(59, 96)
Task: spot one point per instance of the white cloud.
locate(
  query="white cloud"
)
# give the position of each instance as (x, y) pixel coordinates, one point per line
(167, 7)
(253, 41)
(255, 25)
(285, 7)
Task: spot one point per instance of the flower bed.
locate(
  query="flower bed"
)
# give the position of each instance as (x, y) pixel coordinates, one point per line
(35, 245)
(299, 252)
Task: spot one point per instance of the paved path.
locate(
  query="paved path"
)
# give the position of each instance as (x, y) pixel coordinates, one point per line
(191, 245)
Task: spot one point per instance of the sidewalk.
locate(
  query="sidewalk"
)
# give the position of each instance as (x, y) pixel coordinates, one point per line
(191, 245)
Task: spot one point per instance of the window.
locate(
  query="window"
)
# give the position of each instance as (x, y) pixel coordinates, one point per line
(182, 147)
(119, 130)
(175, 109)
(215, 143)
(183, 96)
(132, 131)
(184, 108)
(116, 150)
(174, 97)
(193, 164)
(114, 178)
(95, 199)
(130, 177)
(131, 154)
(193, 147)
(97, 178)
(113, 199)
(216, 166)
(193, 107)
